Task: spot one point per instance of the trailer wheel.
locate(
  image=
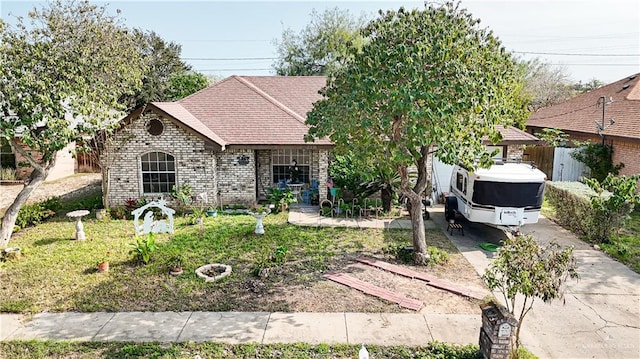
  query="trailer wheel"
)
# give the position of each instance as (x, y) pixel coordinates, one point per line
(450, 208)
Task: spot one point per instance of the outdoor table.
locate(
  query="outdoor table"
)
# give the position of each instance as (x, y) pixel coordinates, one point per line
(296, 189)
(77, 215)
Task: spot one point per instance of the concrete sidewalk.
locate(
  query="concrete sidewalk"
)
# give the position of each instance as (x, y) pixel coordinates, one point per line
(308, 216)
(247, 327)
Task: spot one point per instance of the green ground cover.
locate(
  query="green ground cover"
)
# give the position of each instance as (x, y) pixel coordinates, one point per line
(50, 350)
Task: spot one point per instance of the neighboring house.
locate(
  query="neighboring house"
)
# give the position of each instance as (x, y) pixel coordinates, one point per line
(65, 163)
(609, 114)
(232, 141)
(510, 148)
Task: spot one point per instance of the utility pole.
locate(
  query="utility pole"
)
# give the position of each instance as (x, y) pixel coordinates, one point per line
(604, 104)
(601, 126)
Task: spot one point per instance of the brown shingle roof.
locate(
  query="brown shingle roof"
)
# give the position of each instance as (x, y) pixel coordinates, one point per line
(176, 111)
(581, 113)
(514, 136)
(257, 110)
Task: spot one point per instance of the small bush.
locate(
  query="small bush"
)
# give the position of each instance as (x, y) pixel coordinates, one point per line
(143, 248)
(437, 256)
(273, 259)
(33, 214)
(119, 212)
(52, 204)
(404, 253)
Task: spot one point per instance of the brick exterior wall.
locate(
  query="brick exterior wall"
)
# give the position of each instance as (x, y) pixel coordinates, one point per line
(515, 152)
(194, 165)
(237, 181)
(228, 177)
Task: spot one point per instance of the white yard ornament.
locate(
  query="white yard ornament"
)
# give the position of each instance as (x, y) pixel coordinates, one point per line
(363, 353)
(149, 223)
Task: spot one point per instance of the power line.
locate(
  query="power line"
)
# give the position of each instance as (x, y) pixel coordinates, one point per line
(211, 70)
(227, 58)
(612, 65)
(574, 54)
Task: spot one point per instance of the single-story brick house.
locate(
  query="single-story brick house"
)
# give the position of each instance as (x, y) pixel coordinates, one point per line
(232, 140)
(587, 117)
(66, 164)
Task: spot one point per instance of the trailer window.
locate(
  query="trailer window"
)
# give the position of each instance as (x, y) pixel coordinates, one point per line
(461, 182)
(501, 194)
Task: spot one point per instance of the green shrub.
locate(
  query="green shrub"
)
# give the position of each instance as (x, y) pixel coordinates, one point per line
(33, 214)
(437, 256)
(522, 353)
(269, 260)
(143, 248)
(52, 204)
(280, 197)
(615, 200)
(572, 204)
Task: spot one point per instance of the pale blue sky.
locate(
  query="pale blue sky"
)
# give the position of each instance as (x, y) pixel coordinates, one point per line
(243, 29)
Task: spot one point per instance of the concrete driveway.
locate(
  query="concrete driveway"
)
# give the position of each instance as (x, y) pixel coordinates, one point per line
(600, 315)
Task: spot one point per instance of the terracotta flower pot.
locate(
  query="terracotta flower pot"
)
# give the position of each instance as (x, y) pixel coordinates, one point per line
(103, 267)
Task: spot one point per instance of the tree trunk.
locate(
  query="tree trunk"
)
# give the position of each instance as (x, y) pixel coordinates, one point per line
(386, 193)
(420, 254)
(35, 180)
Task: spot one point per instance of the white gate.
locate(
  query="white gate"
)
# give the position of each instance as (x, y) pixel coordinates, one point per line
(567, 168)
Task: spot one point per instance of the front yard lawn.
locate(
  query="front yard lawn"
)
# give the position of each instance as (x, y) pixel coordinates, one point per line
(58, 274)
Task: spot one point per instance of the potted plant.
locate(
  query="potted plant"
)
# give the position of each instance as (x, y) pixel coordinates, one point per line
(176, 266)
(212, 212)
(196, 216)
(103, 266)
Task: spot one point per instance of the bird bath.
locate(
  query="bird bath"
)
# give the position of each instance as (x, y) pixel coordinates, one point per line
(77, 216)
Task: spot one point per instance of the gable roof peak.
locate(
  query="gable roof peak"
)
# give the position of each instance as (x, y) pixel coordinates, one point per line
(269, 98)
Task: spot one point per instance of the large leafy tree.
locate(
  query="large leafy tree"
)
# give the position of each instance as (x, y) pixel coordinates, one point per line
(66, 67)
(184, 84)
(162, 60)
(545, 84)
(321, 47)
(426, 81)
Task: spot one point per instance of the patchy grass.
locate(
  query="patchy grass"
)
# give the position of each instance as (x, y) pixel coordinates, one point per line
(58, 274)
(628, 250)
(49, 349)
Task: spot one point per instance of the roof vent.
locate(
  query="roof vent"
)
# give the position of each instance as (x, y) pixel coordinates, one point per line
(632, 77)
(625, 87)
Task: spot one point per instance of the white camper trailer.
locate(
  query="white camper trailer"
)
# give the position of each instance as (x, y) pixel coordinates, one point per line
(506, 194)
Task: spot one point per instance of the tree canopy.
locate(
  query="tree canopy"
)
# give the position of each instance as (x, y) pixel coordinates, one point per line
(321, 47)
(184, 84)
(69, 66)
(545, 84)
(162, 62)
(424, 81)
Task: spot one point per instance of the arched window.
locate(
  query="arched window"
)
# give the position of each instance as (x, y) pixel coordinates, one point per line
(158, 172)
